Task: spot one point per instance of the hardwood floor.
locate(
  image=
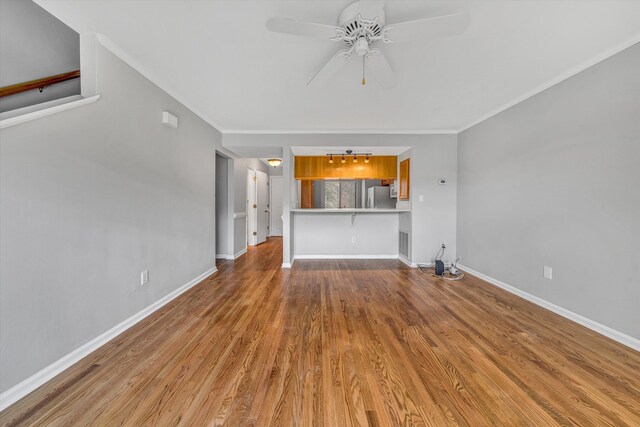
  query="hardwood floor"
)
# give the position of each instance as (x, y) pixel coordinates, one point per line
(339, 343)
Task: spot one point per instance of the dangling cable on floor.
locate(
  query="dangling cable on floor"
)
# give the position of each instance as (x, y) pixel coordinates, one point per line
(451, 273)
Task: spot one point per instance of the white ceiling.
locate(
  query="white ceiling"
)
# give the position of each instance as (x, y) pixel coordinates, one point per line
(218, 59)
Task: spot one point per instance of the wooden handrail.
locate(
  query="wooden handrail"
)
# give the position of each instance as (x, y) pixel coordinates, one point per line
(38, 83)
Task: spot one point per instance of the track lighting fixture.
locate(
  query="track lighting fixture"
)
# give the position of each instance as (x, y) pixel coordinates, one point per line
(343, 156)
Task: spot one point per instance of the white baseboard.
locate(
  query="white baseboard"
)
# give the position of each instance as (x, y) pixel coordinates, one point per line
(346, 257)
(407, 262)
(20, 390)
(238, 255)
(223, 256)
(289, 264)
(398, 257)
(615, 335)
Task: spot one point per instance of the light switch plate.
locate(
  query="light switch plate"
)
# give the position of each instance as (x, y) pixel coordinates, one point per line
(548, 272)
(144, 277)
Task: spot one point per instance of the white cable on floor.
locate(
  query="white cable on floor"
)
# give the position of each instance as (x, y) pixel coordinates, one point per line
(447, 275)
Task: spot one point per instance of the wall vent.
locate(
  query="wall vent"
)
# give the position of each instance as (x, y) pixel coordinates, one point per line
(403, 244)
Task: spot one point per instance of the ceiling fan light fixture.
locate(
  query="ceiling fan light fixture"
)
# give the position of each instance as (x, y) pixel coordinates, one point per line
(274, 162)
(362, 27)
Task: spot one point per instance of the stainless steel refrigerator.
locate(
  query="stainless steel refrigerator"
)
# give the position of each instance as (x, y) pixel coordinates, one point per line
(378, 197)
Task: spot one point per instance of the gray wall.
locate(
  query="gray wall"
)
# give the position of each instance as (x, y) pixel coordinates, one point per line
(555, 181)
(433, 220)
(277, 171)
(222, 206)
(35, 44)
(89, 198)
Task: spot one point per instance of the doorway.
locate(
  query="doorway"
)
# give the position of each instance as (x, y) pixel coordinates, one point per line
(222, 207)
(257, 207)
(275, 205)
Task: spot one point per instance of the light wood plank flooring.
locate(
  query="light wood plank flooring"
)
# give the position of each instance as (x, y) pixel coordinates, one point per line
(340, 343)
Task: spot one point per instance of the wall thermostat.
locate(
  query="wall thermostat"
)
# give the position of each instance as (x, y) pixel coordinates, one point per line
(442, 181)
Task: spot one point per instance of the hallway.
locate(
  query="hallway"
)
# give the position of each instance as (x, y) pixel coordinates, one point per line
(350, 342)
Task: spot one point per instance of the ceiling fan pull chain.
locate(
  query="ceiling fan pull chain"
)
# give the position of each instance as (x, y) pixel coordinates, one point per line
(364, 82)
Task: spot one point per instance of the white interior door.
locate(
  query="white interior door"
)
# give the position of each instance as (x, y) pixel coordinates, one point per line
(262, 208)
(275, 206)
(251, 208)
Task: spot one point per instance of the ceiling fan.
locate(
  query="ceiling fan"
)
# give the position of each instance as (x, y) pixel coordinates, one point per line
(360, 26)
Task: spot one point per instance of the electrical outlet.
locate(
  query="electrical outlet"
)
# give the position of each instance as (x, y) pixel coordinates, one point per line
(353, 239)
(548, 272)
(144, 277)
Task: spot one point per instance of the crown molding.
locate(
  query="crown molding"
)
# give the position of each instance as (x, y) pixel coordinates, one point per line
(339, 132)
(133, 63)
(123, 55)
(554, 81)
(153, 78)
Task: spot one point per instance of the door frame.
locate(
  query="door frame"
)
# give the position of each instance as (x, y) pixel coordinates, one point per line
(271, 202)
(261, 210)
(228, 202)
(252, 220)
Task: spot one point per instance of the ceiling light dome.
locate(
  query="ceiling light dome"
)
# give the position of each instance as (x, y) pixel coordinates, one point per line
(274, 162)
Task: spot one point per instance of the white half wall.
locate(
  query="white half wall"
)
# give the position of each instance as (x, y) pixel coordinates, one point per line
(35, 44)
(328, 234)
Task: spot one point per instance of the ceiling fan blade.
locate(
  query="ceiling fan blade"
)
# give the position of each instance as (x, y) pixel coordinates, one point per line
(369, 9)
(378, 66)
(428, 28)
(300, 28)
(330, 68)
